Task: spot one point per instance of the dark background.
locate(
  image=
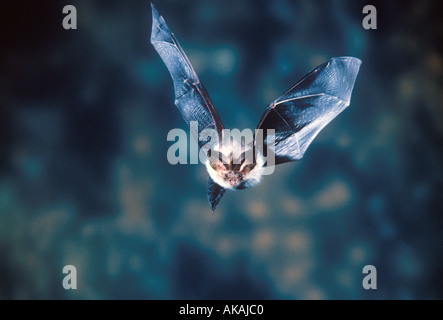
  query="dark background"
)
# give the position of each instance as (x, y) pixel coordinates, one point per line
(84, 178)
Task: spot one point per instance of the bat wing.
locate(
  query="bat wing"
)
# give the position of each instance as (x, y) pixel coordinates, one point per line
(191, 97)
(215, 192)
(306, 108)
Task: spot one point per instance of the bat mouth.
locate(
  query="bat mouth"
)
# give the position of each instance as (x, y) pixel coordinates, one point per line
(233, 181)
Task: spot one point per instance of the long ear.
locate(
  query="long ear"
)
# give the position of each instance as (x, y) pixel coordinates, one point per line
(191, 97)
(215, 192)
(307, 107)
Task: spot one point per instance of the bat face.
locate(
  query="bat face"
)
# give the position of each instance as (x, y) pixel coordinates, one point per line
(234, 167)
(230, 173)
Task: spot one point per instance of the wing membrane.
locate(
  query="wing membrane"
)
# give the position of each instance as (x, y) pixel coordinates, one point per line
(307, 107)
(191, 97)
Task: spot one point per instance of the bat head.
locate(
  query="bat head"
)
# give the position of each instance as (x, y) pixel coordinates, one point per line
(232, 173)
(234, 167)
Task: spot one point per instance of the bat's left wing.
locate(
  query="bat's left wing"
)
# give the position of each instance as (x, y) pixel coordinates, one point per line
(191, 97)
(306, 108)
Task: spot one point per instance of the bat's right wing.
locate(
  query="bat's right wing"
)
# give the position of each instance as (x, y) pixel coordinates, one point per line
(191, 97)
(306, 108)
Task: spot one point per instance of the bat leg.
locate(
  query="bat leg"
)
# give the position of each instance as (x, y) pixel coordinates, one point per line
(215, 192)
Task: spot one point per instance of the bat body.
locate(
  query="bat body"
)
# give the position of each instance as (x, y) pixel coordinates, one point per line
(295, 118)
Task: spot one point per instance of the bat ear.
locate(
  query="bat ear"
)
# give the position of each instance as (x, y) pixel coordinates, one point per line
(215, 192)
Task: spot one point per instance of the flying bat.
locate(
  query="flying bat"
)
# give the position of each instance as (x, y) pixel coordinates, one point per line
(294, 119)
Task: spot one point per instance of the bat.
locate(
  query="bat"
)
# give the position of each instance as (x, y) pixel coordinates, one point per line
(294, 119)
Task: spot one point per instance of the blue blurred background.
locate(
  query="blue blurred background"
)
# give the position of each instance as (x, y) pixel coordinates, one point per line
(84, 178)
